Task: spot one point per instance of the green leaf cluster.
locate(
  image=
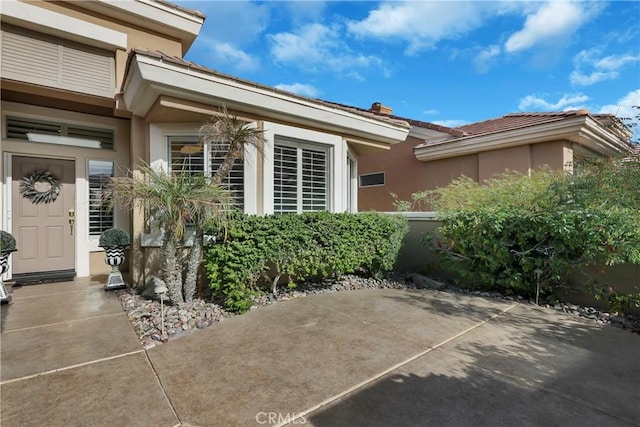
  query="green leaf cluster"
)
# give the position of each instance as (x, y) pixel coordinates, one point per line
(7, 242)
(114, 237)
(518, 231)
(258, 250)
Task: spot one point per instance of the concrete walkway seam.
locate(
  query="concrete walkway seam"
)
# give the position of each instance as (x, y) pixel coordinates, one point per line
(166, 396)
(391, 369)
(66, 368)
(62, 323)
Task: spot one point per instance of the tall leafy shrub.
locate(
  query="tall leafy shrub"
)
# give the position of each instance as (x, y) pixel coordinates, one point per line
(257, 251)
(516, 231)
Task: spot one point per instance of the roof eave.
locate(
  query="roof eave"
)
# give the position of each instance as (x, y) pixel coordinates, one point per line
(583, 130)
(154, 15)
(148, 78)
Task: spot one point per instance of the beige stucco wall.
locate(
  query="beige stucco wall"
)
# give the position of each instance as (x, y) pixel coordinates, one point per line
(494, 162)
(405, 175)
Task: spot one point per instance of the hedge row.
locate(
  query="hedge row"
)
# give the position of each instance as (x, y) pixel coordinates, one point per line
(256, 251)
(512, 250)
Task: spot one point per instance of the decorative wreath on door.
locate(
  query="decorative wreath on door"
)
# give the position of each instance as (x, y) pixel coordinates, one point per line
(29, 191)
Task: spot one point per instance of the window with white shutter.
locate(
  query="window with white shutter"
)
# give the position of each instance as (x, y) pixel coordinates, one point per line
(300, 178)
(100, 211)
(187, 154)
(234, 181)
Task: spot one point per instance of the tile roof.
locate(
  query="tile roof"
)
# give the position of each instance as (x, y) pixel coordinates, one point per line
(521, 120)
(175, 60)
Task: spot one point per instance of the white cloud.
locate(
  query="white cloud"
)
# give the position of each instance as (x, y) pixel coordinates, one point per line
(300, 88)
(580, 79)
(485, 57)
(553, 21)
(233, 22)
(625, 107)
(318, 47)
(566, 102)
(226, 54)
(430, 112)
(600, 68)
(615, 62)
(453, 123)
(422, 24)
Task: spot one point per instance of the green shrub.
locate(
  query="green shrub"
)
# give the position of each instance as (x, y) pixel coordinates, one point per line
(517, 230)
(257, 251)
(7, 242)
(510, 250)
(114, 237)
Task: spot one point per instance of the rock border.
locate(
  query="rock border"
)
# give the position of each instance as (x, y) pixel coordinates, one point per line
(181, 320)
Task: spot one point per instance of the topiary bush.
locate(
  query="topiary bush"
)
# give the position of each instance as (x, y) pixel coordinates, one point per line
(256, 252)
(114, 237)
(7, 242)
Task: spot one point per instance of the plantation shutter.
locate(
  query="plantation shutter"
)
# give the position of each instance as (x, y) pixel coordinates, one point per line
(300, 179)
(234, 181)
(285, 179)
(188, 155)
(100, 213)
(314, 180)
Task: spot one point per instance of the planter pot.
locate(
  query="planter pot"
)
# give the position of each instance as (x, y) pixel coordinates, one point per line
(114, 256)
(5, 297)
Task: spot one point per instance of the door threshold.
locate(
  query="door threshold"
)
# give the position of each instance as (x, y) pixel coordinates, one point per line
(43, 277)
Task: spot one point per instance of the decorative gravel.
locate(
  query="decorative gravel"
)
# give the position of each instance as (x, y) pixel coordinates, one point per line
(180, 320)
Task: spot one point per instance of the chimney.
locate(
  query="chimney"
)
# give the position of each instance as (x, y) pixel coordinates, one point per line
(377, 107)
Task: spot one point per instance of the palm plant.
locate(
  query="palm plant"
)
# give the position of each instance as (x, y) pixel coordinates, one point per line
(231, 134)
(189, 199)
(176, 201)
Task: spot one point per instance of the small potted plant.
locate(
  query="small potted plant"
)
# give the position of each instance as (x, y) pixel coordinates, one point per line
(114, 241)
(7, 245)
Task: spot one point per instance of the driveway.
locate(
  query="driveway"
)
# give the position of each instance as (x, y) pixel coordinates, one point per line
(357, 358)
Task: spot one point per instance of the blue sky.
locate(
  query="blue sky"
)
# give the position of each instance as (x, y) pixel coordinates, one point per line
(444, 62)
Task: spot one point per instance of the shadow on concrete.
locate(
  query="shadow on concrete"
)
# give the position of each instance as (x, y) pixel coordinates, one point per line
(529, 367)
(452, 304)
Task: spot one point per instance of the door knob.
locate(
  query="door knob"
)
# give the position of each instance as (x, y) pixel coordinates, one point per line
(72, 219)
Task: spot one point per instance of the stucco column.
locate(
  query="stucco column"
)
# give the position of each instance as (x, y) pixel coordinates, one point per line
(139, 152)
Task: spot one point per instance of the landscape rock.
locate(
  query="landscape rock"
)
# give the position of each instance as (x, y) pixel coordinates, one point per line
(147, 315)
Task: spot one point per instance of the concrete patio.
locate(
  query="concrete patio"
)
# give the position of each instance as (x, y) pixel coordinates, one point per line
(362, 358)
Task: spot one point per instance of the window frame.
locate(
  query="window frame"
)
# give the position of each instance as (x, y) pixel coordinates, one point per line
(207, 163)
(337, 147)
(384, 179)
(96, 237)
(159, 157)
(300, 147)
